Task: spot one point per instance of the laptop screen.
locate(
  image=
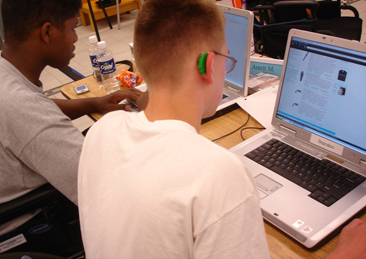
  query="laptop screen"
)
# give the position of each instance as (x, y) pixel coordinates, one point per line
(324, 92)
(236, 30)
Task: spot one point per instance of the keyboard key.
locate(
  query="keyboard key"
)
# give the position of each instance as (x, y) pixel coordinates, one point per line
(251, 155)
(310, 188)
(316, 193)
(258, 153)
(328, 202)
(321, 199)
(277, 163)
(268, 165)
(360, 179)
(313, 182)
(257, 159)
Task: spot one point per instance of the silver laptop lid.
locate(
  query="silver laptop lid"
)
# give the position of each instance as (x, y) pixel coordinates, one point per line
(322, 94)
(238, 30)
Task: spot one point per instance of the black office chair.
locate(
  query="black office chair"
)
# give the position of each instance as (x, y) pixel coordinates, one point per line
(309, 15)
(279, 17)
(54, 230)
(278, 11)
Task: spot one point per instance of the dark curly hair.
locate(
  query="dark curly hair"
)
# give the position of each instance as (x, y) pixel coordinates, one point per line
(22, 17)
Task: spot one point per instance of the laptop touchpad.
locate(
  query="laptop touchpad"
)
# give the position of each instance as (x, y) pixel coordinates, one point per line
(266, 186)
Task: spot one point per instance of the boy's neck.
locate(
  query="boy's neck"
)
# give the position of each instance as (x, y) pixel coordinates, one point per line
(181, 105)
(26, 59)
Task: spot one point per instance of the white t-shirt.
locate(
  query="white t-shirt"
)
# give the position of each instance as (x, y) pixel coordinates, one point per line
(160, 190)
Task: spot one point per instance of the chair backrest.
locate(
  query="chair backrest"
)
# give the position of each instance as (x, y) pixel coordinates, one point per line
(329, 9)
(54, 229)
(274, 36)
(294, 10)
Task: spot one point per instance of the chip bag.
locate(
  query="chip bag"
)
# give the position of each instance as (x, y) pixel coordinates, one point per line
(129, 79)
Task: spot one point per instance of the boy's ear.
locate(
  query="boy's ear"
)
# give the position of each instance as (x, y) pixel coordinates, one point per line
(209, 65)
(205, 64)
(46, 31)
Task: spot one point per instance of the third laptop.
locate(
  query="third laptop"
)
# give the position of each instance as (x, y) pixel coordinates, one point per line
(238, 33)
(310, 165)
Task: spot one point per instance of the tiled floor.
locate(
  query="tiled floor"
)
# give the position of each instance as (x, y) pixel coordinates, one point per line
(117, 41)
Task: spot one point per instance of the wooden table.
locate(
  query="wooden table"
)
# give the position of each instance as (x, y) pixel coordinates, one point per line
(95, 91)
(280, 245)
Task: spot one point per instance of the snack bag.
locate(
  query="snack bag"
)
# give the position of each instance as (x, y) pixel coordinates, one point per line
(129, 79)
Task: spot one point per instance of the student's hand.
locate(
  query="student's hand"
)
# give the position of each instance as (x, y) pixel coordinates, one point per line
(110, 102)
(142, 101)
(351, 243)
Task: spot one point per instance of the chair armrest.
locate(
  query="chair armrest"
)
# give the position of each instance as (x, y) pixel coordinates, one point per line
(262, 7)
(38, 197)
(293, 3)
(354, 10)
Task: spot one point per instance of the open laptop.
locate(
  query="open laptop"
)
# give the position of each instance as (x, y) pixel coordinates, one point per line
(238, 30)
(310, 164)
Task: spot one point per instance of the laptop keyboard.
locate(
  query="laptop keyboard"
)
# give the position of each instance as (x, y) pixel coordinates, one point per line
(327, 181)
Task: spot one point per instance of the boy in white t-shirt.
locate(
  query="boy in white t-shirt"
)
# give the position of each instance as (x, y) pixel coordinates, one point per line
(149, 185)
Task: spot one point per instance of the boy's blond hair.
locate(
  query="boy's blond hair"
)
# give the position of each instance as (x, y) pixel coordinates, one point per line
(166, 30)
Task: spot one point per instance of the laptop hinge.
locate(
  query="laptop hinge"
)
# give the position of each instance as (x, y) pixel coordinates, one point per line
(236, 91)
(363, 164)
(287, 130)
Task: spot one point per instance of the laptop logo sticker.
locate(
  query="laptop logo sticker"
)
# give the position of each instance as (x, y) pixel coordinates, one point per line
(307, 230)
(298, 224)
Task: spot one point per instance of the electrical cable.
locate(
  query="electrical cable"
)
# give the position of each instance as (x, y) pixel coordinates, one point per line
(128, 63)
(234, 130)
(241, 132)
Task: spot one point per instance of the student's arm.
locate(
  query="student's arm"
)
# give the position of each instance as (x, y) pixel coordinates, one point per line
(79, 107)
(351, 243)
(54, 155)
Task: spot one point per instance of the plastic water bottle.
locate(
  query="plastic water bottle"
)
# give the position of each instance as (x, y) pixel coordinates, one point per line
(107, 68)
(93, 52)
(244, 4)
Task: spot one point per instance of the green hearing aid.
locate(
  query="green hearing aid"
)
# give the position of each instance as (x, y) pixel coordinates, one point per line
(202, 63)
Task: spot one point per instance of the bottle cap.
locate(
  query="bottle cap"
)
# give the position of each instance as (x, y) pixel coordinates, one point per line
(101, 45)
(93, 39)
